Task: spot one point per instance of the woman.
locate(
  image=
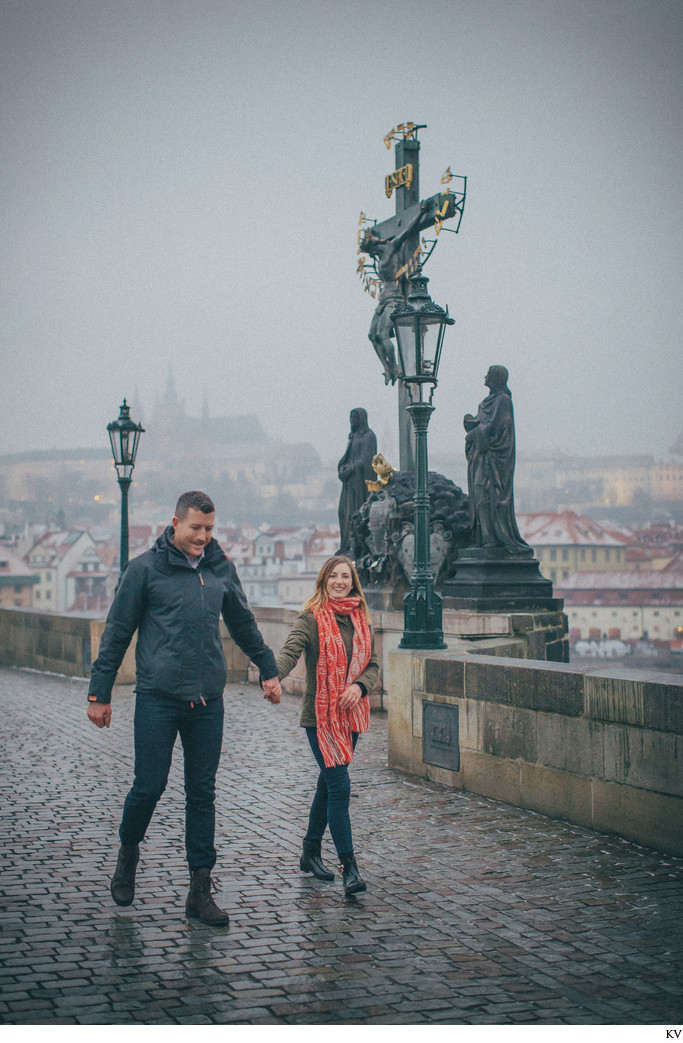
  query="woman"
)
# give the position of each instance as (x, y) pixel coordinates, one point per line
(333, 633)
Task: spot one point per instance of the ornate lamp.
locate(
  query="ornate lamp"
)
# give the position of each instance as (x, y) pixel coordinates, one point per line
(420, 327)
(124, 435)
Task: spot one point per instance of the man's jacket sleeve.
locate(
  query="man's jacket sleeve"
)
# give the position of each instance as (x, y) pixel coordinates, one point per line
(242, 627)
(122, 622)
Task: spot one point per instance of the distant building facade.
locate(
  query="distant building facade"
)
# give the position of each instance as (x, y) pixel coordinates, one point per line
(71, 573)
(557, 482)
(628, 606)
(17, 581)
(566, 542)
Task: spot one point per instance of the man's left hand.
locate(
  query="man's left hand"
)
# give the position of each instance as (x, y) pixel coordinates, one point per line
(272, 690)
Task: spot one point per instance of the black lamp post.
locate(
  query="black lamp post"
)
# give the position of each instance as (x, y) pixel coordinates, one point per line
(420, 326)
(124, 435)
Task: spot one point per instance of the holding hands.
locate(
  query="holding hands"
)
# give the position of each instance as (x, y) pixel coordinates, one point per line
(272, 690)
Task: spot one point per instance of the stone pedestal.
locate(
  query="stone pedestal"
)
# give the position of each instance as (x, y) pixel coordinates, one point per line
(488, 580)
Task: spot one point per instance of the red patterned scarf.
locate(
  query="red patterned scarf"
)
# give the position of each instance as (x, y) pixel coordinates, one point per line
(333, 678)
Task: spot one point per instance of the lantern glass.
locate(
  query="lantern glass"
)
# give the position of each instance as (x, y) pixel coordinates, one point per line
(124, 436)
(420, 325)
(419, 338)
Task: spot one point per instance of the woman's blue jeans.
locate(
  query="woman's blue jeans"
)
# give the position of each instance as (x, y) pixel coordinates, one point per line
(158, 721)
(331, 801)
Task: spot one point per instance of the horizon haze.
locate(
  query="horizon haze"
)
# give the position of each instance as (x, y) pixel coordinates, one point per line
(183, 181)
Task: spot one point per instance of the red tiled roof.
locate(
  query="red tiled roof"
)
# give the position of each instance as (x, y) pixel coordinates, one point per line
(566, 529)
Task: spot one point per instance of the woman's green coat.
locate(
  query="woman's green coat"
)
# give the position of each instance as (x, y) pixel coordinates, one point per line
(303, 639)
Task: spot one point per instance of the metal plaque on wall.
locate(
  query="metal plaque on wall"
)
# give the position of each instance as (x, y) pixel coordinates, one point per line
(440, 735)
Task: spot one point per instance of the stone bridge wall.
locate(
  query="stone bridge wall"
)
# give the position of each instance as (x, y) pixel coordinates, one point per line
(602, 749)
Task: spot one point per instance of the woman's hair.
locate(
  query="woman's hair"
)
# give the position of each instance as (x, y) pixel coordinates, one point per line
(320, 598)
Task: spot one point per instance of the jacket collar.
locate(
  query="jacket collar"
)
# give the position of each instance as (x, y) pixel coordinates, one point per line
(165, 545)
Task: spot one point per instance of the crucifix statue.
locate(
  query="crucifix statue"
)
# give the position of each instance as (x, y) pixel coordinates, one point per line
(395, 248)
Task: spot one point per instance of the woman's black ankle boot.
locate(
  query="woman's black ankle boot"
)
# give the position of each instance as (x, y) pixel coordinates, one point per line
(311, 861)
(352, 878)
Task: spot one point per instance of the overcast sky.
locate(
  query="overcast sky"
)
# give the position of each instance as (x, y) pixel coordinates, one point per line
(181, 187)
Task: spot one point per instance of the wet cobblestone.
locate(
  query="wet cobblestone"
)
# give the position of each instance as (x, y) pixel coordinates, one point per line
(476, 912)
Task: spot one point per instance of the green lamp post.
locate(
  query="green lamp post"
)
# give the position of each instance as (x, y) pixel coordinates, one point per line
(124, 435)
(420, 326)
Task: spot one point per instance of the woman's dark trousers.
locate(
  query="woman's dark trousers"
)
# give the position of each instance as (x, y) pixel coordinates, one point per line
(331, 801)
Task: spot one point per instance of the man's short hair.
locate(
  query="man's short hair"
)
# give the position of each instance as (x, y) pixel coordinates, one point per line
(193, 501)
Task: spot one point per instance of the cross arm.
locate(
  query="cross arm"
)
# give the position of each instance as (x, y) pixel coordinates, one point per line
(433, 212)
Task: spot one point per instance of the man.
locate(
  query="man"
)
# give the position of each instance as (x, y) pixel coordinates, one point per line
(173, 595)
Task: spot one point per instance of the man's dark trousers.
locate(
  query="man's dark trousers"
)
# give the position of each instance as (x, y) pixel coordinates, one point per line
(158, 720)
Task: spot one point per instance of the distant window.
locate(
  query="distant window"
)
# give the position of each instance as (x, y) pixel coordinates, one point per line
(583, 554)
(37, 595)
(48, 576)
(553, 554)
(553, 576)
(565, 574)
(607, 554)
(565, 554)
(594, 554)
(48, 594)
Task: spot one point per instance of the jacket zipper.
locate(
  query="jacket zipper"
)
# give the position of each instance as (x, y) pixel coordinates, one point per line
(201, 644)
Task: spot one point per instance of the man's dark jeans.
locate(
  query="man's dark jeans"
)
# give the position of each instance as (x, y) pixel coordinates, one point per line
(331, 800)
(158, 721)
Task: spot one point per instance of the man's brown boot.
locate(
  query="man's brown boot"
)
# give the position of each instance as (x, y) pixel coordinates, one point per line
(123, 881)
(200, 903)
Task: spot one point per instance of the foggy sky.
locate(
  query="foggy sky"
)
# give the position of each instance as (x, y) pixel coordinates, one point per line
(181, 187)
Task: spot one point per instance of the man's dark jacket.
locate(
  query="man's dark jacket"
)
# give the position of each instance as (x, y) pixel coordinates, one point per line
(175, 609)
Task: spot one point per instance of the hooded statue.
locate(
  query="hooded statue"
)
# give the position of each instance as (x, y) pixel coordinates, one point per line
(490, 451)
(354, 468)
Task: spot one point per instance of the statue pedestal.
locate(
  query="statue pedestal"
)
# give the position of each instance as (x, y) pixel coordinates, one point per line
(488, 580)
(386, 599)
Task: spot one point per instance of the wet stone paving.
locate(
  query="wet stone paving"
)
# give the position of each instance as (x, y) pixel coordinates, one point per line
(477, 913)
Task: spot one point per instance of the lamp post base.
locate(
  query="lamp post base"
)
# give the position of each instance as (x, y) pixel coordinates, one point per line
(422, 618)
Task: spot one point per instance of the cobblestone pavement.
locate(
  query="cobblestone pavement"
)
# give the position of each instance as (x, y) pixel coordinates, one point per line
(476, 913)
